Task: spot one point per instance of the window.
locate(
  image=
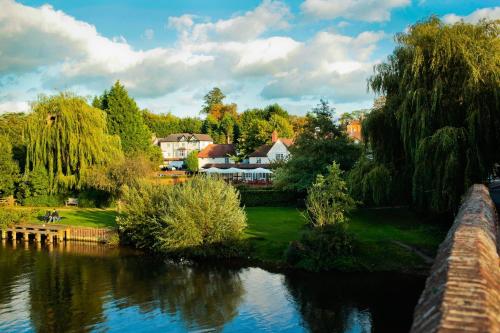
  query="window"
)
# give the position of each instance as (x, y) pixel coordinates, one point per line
(259, 160)
(280, 157)
(226, 160)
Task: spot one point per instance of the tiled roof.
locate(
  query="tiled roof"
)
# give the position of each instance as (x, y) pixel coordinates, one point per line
(236, 165)
(217, 150)
(176, 137)
(286, 142)
(261, 151)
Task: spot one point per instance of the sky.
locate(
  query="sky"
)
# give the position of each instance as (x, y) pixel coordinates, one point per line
(170, 53)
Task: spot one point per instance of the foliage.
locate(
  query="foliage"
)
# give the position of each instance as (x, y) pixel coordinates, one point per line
(9, 170)
(163, 125)
(120, 173)
(67, 137)
(33, 183)
(372, 182)
(192, 161)
(124, 119)
(44, 200)
(328, 200)
(438, 126)
(212, 99)
(201, 213)
(320, 143)
(12, 125)
(256, 197)
(11, 216)
(320, 248)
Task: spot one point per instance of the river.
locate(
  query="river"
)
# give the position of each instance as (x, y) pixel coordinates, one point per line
(77, 287)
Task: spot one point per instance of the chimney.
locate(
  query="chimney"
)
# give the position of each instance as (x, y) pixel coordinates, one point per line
(274, 136)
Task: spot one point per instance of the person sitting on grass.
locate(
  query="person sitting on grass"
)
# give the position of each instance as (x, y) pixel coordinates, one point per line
(55, 216)
(46, 217)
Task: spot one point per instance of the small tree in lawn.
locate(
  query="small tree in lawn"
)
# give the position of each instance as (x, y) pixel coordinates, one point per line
(192, 161)
(328, 199)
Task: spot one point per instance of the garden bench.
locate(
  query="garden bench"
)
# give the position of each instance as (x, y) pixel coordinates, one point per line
(71, 202)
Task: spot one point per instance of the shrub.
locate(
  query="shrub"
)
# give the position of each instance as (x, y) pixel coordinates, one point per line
(44, 201)
(195, 217)
(320, 249)
(328, 200)
(10, 216)
(251, 197)
(192, 161)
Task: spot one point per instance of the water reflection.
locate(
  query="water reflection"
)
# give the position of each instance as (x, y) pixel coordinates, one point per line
(84, 287)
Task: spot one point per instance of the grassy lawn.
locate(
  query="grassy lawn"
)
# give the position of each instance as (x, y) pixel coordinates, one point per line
(270, 229)
(78, 217)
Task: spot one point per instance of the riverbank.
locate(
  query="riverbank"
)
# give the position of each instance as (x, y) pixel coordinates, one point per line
(386, 239)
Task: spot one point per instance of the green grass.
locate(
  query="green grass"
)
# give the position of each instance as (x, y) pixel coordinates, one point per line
(78, 217)
(271, 229)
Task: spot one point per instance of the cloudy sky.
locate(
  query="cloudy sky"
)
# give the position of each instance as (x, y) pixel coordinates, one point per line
(170, 53)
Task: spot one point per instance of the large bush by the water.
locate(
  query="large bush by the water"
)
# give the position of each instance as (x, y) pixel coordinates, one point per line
(195, 217)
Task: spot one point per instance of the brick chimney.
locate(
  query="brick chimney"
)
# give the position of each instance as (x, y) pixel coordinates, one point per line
(274, 136)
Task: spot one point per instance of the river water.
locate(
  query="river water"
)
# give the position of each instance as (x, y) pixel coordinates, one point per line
(81, 287)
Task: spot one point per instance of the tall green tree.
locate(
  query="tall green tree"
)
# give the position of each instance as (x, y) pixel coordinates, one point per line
(68, 137)
(212, 99)
(192, 161)
(321, 142)
(124, 119)
(437, 130)
(12, 125)
(9, 170)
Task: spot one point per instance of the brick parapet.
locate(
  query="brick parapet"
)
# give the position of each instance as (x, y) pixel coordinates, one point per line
(462, 292)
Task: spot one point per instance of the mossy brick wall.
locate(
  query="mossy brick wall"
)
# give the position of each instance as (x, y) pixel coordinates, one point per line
(462, 292)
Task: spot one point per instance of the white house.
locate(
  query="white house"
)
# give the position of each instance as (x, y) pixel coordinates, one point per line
(267, 154)
(216, 154)
(176, 147)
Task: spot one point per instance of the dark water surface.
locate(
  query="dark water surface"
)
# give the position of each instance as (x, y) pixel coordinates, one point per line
(89, 288)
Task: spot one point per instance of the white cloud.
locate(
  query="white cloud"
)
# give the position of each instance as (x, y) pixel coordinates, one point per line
(14, 106)
(269, 15)
(360, 10)
(484, 13)
(67, 53)
(148, 34)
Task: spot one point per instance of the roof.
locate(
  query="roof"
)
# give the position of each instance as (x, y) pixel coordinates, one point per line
(217, 150)
(261, 151)
(236, 165)
(286, 142)
(176, 137)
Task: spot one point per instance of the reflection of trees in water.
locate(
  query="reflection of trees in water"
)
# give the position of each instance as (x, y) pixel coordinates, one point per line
(203, 296)
(356, 302)
(13, 264)
(68, 291)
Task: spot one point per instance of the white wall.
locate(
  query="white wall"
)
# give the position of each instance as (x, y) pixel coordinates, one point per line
(278, 148)
(170, 149)
(254, 160)
(217, 160)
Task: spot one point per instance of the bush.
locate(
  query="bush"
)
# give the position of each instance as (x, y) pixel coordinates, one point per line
(192, 218)
(269, 197)
(44, 201)
(320, 249)
(10, 216)
(92, 198)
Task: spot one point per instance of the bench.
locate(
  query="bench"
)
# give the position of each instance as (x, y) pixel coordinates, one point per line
(71, 202)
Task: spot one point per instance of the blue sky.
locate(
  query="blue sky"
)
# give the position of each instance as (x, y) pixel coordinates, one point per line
(170, 53)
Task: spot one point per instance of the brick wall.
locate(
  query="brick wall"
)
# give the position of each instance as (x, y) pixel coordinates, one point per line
(462, 292)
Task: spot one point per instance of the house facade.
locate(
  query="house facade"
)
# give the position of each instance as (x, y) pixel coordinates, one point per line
(216, 154)
(274, 152)
(178, 146)
(354, 130)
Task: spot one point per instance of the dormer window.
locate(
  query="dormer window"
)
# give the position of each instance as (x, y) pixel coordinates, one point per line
(280, 157)
(259, 160)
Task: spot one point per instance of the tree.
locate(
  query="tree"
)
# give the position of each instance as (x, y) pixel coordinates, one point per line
(124, 119)
(321, 143)
(437, 129)
(67, 137)
(192, 161)
(212, 99)
(12, 125)
(328, 200)
(9, 170)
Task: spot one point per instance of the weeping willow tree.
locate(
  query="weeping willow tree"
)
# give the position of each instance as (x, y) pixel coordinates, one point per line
(438, 131)
(68, 137)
